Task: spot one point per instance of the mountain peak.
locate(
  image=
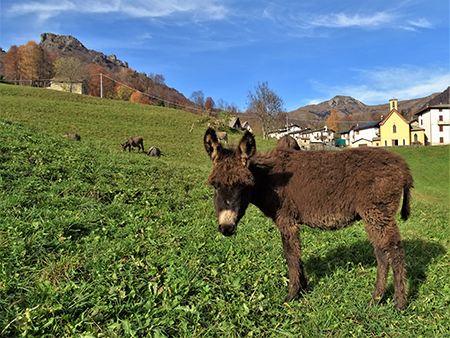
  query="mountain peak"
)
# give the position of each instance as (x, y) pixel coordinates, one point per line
(340, 100)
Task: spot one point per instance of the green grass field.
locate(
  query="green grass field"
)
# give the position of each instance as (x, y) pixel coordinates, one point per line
(95, 242)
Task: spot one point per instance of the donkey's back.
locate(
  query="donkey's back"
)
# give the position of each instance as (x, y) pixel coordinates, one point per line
(331, 190)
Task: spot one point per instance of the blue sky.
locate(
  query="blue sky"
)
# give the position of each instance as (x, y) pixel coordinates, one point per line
(307, 51)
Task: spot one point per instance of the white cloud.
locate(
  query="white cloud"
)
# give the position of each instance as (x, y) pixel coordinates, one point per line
(378, 20)
(198, 9)
(43, 11)
(421, 23)
(378, 86)
(341, 20)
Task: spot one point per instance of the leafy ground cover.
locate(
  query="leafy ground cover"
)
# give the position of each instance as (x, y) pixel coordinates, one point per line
(99, 243)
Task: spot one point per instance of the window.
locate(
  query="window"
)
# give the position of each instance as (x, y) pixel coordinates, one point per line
(441, 140)
(441, 128)
(441, 118)
(385, 143)
(394, 129)
(421, 122)
(404, 142)
(416, 137)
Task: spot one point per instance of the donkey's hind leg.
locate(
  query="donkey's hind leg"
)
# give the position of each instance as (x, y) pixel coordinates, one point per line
(382, 275)
(389, 250)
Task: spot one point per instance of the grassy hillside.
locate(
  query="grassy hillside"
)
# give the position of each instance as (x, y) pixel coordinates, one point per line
(99, 243)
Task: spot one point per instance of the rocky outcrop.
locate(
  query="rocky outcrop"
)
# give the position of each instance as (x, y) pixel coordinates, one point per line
(68, 46)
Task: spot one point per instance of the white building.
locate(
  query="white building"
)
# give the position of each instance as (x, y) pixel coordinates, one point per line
(436, 122)
(324, 135)
(368, 131)
(279, 133)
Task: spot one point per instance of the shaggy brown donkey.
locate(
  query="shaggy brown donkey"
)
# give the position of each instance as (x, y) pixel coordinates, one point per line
(288, 142)
(326, 190)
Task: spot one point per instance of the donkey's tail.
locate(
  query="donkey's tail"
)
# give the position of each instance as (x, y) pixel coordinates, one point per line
(406, 210)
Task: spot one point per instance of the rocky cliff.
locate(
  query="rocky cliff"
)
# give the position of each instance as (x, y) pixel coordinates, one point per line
(68, 46)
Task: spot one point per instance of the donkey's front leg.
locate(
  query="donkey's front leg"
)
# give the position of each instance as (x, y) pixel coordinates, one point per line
(293, 254)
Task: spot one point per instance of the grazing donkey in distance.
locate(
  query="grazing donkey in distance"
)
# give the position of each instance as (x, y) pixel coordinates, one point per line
(222, 135)
(323, 189)
(73, 136)
(288, 142)
(154, 152)
(132, 142)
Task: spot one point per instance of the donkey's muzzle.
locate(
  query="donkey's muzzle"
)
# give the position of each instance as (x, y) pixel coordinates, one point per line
(227, 222)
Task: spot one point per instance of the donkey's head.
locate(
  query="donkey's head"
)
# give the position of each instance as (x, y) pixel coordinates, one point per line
(231, 178)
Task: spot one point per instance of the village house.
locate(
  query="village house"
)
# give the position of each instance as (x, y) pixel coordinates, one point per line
(345, 135)
(417, 133)
(364, 134)
(435, 120)
(279, 133)
(76, 87)
(235, 123)
(323, 135)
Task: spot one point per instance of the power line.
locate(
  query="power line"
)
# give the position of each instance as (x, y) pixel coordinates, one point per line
(174, 103)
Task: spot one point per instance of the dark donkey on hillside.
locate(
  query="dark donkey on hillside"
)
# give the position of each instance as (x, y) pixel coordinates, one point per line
(132, 142)
(322, 189)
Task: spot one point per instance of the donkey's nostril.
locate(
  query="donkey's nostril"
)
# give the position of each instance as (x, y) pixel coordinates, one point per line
(227, 229)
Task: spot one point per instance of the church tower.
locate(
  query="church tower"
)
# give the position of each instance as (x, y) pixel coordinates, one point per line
(393, 104)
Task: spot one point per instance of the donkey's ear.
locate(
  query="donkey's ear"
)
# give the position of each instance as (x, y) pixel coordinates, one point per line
(211, 143)
(247, 147)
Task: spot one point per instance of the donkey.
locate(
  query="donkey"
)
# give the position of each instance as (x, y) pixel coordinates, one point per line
(73, 136)
(288, 142)
(132, 142)
(222, 135)
(154, 152)
(323, 189)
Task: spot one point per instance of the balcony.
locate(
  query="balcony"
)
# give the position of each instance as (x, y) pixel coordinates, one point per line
(444, 123)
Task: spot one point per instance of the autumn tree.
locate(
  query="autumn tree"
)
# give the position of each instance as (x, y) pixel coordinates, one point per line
(70, 71)
(333, 120)
(139, 97)
(123, 92)
(2, 54)
(209, 104)
(29, 60)
(36, 63)
(11, 64)
(265, 105)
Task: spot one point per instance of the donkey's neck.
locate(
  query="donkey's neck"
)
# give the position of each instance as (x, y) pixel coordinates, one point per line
(269, 184)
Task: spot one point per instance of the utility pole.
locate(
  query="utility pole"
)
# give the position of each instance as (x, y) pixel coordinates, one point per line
(101, 85)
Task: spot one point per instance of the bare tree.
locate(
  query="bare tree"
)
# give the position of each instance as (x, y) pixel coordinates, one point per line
(265, 105)
(198, 98)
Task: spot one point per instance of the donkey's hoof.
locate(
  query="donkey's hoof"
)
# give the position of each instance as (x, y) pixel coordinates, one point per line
(401, 305)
